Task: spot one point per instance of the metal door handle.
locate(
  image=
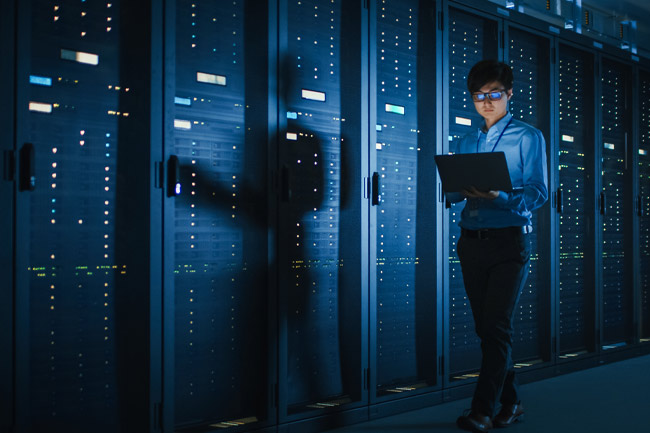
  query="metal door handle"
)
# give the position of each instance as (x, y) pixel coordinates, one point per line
(27, 168)
(375, 189)
(285, 184)
(173, 176)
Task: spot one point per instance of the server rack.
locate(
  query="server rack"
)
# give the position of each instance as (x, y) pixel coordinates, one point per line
(575, 204)
(616, 205)
(7, 122)
(82, 138)
(643, 202)
(529, 55)
(404, 307)
(135, 165)
(218, 215)
(321, 309)
(470, 38)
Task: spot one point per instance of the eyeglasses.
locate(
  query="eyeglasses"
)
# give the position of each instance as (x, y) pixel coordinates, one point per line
(495, 95)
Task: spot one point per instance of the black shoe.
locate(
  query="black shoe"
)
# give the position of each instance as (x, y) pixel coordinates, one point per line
(474, 422)
(509, 414)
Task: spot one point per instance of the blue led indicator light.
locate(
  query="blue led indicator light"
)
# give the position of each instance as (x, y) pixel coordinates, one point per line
(182, 101)
(41, 81)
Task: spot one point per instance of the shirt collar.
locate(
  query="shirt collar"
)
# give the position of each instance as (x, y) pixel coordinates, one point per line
(500, 125)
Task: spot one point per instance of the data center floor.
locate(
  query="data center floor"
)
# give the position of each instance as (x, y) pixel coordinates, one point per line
(606, 399)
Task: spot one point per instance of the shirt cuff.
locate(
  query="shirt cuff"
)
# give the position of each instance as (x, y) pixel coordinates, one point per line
(501, 199)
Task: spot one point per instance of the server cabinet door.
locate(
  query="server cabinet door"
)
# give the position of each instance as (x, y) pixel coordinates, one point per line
(615, 206)
(575, 203)
(218, 223)
(320, 208)
(404, 319)
(471, 39)
(528, 55)
(82, 255)
(643, 205)
(7, 207)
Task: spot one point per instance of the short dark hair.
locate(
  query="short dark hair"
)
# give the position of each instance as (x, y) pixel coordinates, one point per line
(487, 71)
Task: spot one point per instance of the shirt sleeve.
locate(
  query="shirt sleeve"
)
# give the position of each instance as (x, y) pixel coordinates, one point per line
(535, 191)
(454, 197)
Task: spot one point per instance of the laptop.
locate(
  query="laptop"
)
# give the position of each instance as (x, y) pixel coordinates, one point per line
(487, 171)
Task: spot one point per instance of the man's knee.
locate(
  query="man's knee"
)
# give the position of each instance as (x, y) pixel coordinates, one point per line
(499, 332)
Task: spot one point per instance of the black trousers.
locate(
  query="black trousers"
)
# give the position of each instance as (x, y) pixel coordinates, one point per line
(494, 265)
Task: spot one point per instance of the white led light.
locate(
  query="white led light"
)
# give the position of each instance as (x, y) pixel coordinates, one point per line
(80, 57)
(182, 124)
(397, 109)
(463, 121)
(313, 95)
(567, 138)
(219, 80)
(40, 107)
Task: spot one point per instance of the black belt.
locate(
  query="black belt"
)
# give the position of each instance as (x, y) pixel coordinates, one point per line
(496, 233)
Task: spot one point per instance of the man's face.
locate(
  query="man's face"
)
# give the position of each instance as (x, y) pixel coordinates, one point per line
(491, 109)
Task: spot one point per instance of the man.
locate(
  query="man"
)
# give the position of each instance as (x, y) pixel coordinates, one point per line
(494, 246)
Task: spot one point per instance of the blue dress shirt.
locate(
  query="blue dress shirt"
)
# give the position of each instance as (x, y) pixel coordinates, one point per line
(525, 152)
